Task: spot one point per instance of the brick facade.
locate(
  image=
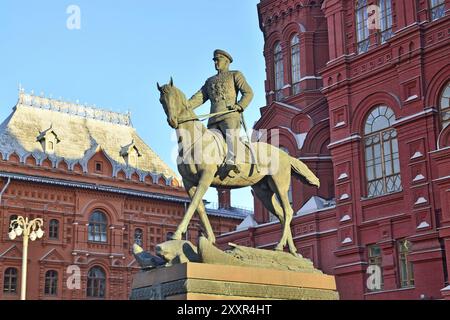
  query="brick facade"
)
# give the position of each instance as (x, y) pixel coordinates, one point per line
(358, 226)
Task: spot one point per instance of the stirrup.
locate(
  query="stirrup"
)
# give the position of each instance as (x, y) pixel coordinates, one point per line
(231, 165)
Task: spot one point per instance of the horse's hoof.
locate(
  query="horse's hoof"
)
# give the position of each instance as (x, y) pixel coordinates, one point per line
(278, 248)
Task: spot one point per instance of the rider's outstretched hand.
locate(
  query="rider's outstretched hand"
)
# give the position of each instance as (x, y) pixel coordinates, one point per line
(236, 107)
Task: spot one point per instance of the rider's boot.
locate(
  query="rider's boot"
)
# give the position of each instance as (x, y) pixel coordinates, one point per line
(232, 165)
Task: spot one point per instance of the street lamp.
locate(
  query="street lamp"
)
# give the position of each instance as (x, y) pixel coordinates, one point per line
(22, 226)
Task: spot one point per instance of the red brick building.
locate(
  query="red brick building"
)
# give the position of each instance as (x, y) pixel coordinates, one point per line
(359, 90)
(99, 189)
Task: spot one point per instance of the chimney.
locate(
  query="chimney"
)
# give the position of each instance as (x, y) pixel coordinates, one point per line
(224, 196)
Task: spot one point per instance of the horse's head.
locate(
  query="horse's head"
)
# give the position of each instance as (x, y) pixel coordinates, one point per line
(173, 102)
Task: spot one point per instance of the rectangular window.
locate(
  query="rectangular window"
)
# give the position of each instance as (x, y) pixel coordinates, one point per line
(97, 233)
(10, 281)
(51, 283)
(53, 229)
(437, 9)
(362, 29)
(405, 266)
(279, 72)
(295, 64)
(385, 20)
(375, 260)
(382, 163)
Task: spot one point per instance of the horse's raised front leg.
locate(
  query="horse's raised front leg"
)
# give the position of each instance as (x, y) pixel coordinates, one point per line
(196, 193)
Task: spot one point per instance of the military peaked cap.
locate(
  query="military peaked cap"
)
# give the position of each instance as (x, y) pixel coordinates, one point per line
(224, 53)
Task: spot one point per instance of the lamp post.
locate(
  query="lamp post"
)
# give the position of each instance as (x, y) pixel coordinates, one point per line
(22, 226)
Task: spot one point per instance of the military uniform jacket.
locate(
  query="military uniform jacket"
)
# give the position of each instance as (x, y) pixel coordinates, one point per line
(222, 90)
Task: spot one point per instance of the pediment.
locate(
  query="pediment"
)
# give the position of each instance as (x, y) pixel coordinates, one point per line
(278, 114)
(52, 256)
(12, 252)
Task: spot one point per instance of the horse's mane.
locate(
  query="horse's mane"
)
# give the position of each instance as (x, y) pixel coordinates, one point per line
(171, 89)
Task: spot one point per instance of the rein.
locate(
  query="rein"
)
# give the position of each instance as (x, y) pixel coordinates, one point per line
(204, 116)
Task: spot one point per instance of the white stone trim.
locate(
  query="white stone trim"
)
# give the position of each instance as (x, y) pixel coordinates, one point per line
(418, 114)
(345, 196)
(416, 155)
(423, 225)
(343, 176)
(347, 240)
(419, 177)
(340, 124)
(420, 200)
(412, 98)
(350, 138)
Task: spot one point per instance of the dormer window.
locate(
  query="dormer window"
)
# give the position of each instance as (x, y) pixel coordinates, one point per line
(98, 167)
(48, 139)
(130, 153)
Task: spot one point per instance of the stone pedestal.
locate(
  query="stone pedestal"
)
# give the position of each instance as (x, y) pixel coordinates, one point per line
(200, 281)
(446, 293)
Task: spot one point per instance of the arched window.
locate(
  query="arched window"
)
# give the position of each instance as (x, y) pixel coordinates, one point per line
(138, 237)
(385, 20)
(444, 106)
(53, 229)
(381, 152)
(10, 281)
(437, 8)
(362, 29)
(295, 64)
(97, 227)
(279, 71)
(51, 283)
(96, 283)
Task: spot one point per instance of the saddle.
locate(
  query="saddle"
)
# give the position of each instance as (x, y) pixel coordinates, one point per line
(223, 169)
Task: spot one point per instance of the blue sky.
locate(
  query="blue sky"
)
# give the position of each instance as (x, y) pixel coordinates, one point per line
(122, 49)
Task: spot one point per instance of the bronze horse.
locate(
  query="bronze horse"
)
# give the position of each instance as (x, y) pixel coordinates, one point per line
(201, 169)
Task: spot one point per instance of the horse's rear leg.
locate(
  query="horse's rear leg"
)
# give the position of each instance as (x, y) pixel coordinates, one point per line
(281, 186)
(197, 197)
(268, 198)
(287, 233)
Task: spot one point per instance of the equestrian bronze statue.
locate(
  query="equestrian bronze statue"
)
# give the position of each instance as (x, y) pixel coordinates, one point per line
(202, 163)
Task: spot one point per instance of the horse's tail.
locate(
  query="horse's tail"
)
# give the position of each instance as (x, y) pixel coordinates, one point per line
(304, 173)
